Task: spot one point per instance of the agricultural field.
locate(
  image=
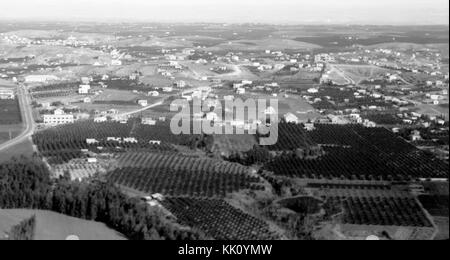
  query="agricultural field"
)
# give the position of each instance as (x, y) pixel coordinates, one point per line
(219, 219)
(10, 112)
(54, 226)
(226, 145)
(382, 211)
(291, 137)
(348, 149)
(64, 143)
(177, 175)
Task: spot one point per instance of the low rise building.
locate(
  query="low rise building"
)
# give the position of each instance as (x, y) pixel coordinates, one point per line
(58, 118)
(6, 93)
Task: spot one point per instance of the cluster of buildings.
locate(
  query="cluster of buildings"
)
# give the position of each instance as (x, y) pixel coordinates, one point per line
(6, 93)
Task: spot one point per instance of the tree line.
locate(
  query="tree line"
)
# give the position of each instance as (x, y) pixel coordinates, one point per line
(26, 183)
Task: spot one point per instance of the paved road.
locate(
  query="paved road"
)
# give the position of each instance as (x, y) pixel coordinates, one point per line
(27, 118)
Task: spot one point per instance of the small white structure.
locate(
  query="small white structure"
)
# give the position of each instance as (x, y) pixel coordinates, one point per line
(240, 91)
(84, 89)
(167, 89)
(153, 94)
(91, 141)
(291, 118)
(313, 90)
(143, 102)
(148, 121)
(100, 119)
(6, 93)
(309, 127)
(180, 84)
(92, 160)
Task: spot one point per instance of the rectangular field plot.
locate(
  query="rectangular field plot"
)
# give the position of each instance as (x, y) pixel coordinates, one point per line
(382, 211)
(436, 205)
(10, 112)
(218, 219)
(358, 153)
(177, 175)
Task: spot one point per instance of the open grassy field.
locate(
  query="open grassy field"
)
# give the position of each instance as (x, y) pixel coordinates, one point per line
(25, 148)
(10, 112)
(54, 226)
(6, 135)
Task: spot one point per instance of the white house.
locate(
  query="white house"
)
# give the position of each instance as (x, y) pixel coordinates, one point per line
(291, 118)
(6, 93)
(148, 121)
(143, 102)
(167, 89)
(100, 119)
(153, 93)
(58, 118)
(84, 89)
(91, 141)
(313, 90)
(240, 91)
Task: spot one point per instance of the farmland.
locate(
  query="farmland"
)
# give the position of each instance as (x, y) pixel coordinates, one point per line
(348, 149)
(10, 112)
(219, 219)
(64, 143)
(176, 175)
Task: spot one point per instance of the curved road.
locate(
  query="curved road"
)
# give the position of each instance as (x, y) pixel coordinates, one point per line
(27, 119)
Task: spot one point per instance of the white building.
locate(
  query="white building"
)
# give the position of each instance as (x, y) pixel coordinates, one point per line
(148, 121)
(240, 91)
(153, 93)
(143, 102)
(291, 118)
(84, 89)
(167, 89)
(313, 90)
(181, 84)
(58, 118)
(100, 119)
(6, 93)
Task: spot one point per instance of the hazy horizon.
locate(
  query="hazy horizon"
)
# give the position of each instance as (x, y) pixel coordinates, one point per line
(380, 12)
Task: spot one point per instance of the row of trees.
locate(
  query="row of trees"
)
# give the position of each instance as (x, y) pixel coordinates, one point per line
(25, 183)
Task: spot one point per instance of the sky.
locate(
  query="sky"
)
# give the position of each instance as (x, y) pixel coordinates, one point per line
(395, 12)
